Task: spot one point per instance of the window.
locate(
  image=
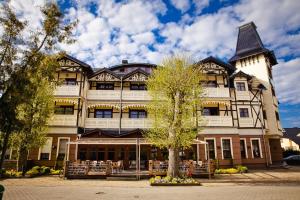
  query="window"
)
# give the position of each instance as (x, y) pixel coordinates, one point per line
(137, 114)
(45, 151)
(138, 87)
(104, 86)
(82, 154)
(255, 144)
(93, 154)
(226, 148)
(7, 154)
(244, 112)
(70, 81)
(62, 148)
(240, 86)
(111, 154)
(64, 110)
(213, 111)
(243, 148)
(101, 113)
(101, 154)
(277, 115)
(211, 148)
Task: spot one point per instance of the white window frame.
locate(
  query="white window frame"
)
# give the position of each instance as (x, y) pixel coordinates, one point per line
(245, 84)
(40, 149)
(231, 149)
(245, 146)
(68, 146)
(260, 149)
(239, 112)
(241, 81)
(215, 147)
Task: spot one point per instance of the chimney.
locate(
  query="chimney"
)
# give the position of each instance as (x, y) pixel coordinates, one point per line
(124, 61)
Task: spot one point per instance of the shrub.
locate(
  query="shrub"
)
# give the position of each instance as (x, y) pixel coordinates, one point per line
(173, 180)
(33, 172)
(238, 169)
(45, 170)
(242, 169)
(38, 168)
(55, 172)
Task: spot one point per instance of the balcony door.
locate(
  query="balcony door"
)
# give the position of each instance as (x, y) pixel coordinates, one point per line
(210, 111)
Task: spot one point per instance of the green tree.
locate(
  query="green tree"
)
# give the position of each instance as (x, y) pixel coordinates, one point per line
(34, 112)
(20, 59)
(175, 90)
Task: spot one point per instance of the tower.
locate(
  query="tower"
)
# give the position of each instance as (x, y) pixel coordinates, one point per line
(254, 59)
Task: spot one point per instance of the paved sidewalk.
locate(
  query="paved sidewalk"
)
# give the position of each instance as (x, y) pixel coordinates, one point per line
(260, 176)
(258, 184)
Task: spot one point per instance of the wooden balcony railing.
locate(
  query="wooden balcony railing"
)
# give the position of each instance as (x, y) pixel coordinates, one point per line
(114, 123)
(216, 92)
(103, 94)
(67, 90)
(63, 120)
(135, 95)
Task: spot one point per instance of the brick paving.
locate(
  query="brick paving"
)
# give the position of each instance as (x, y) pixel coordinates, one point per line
(263, 184)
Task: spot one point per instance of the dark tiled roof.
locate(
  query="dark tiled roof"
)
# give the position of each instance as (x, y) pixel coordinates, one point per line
(100, 70)
(131, 65)
(240, 74)
(291, 133)
(84, 65)
(218, 61)
(249, 43)
(136, 71)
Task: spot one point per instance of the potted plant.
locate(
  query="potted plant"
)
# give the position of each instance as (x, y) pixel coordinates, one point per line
(1, 191)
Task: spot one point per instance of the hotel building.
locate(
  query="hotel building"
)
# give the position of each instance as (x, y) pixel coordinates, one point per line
(101, 114)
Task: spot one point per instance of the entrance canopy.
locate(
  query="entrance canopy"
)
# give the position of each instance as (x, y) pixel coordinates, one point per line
(119, 141)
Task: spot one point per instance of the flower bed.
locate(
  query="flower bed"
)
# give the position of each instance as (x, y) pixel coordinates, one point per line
(33, 172)
(238, 169)
(176, 181)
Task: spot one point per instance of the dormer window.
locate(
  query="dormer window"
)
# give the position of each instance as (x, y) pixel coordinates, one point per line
(104, 86)
(138, 87)
(240, 86)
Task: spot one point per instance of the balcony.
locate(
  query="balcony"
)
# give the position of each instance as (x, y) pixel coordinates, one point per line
(63, 120)
(103, 94)
(246, 122)
(114, 123)
(67, 90)
(135, 95)
(102, 123)
(242, 95)
(136, 123)
(216, 92)
(216, 121)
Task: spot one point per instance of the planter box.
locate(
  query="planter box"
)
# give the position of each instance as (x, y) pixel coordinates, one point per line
(177, 184)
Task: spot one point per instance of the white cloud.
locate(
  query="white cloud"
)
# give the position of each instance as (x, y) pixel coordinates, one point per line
(182, 5)
(286, 78)
(200, 5)
(132, 30)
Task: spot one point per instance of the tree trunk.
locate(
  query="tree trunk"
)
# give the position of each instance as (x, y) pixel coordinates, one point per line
(173, 167)
(4, 148)
(22, 160)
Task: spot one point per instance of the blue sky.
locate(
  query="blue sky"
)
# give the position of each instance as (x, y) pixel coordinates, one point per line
(147, 31)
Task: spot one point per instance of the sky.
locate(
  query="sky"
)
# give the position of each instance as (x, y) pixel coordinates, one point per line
(149, 30)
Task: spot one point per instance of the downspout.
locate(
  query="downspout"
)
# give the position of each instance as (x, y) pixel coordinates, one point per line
(121, 97)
